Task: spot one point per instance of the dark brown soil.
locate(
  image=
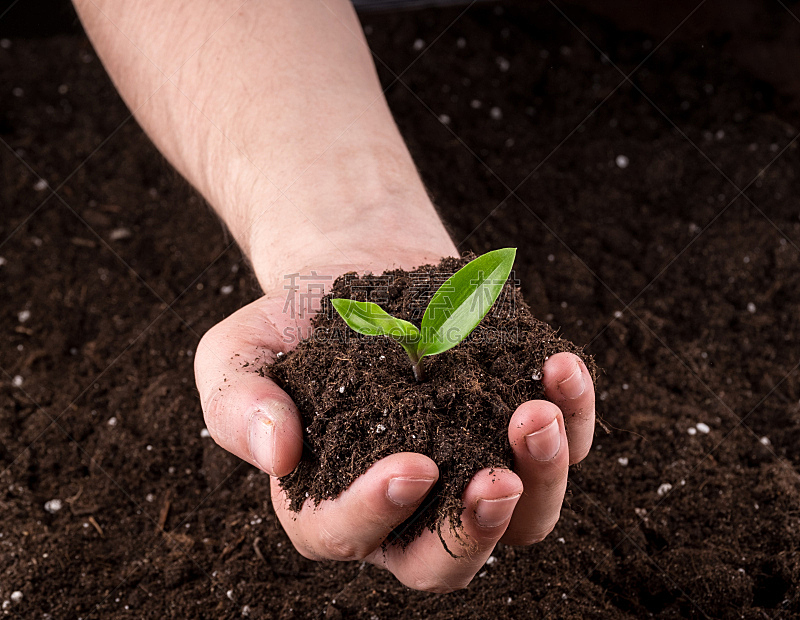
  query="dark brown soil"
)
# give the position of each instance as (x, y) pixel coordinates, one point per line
(360, 402)
(114, 320)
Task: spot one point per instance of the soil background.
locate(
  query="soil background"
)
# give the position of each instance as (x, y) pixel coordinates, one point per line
(686, 290)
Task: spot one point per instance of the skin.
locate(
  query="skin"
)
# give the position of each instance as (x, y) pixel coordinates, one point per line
(274, 112)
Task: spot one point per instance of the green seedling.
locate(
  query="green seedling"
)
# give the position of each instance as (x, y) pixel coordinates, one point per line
(452, 314)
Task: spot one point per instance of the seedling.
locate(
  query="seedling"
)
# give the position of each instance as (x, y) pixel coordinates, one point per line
(453, 312)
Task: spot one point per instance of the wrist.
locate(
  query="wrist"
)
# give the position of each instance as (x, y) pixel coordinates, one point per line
(385, 232)
(359, 209)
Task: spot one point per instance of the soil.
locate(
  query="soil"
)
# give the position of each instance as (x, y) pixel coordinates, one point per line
(686, 290)
(359, 400)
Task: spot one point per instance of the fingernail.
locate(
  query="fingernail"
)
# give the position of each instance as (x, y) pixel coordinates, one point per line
(261, 439)
(573, 386)
(495, 512)
(545, 443)
(406, 491)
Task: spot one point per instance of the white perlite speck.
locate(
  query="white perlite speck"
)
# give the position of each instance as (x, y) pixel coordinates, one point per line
(53, 506)
(751, 308)
(205, 434)
(40, 185)
(17, 381)
(623, 460)
(226, 290)
(341, 390)
(537, 376)
(112, 421)
(418, 45)
(765, 441)
(664, 489)
(691, 430)
(120, 233)
(703, 428)
(622, 161)
(229, 594)
(496, 113)
(16, 596)
(23, 316)
(380, 428)
(444, 119)
(3, 261)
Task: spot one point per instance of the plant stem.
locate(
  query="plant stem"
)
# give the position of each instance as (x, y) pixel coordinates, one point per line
(419, 375)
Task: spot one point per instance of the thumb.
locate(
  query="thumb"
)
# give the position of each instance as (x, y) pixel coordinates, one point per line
(246, 413)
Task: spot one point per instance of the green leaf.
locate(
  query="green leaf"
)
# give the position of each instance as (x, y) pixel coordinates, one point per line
(463, 300)
(371, 320)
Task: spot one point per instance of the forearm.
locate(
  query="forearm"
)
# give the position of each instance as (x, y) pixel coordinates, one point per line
(274, 112)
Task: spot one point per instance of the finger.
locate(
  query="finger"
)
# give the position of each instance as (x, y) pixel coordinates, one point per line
(354, 524)
(247, 414)
(541, 459)
(425, 564)
(568, 384)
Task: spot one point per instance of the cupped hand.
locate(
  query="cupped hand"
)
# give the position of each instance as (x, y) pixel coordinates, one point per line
(250, 416)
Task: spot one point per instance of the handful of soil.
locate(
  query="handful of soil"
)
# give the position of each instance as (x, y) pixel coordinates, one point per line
(359, 400)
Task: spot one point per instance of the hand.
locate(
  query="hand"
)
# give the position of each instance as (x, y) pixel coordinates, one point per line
(250, 416)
